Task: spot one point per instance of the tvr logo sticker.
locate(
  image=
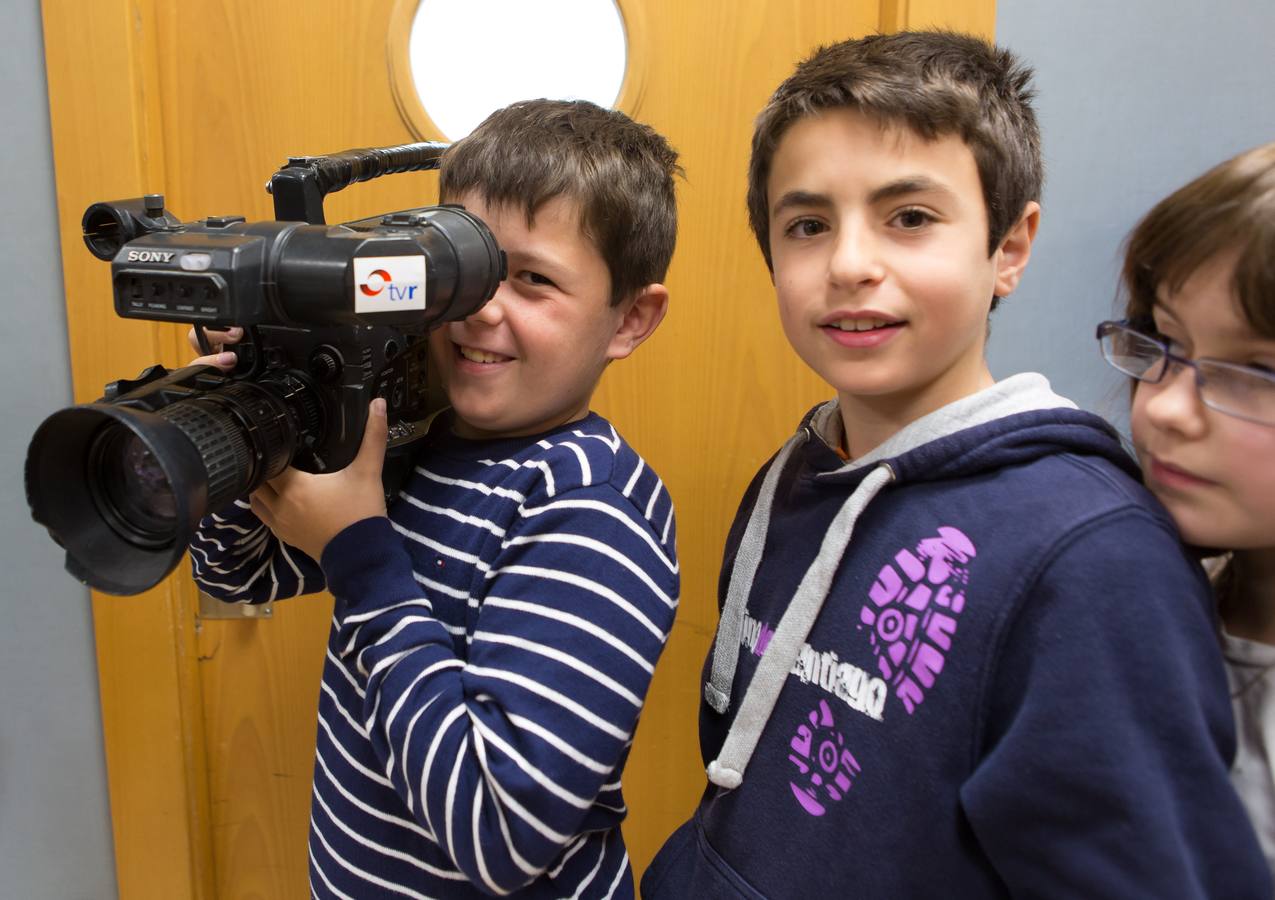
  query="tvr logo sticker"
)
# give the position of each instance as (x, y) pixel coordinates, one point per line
(389, 283)
(379, 282)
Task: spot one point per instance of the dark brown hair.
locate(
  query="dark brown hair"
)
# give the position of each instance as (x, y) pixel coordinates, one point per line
(934, 83)
(619, 172)
(1230, 207)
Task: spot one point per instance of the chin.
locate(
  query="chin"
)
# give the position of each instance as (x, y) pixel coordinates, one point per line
(478, 419)
(1196, 531)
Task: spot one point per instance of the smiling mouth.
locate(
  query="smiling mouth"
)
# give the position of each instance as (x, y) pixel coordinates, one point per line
(481, 356)
(863, 324)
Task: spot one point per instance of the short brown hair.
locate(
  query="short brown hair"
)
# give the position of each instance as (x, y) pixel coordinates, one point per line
(1229, 207)
(935, 83)
(618, 171)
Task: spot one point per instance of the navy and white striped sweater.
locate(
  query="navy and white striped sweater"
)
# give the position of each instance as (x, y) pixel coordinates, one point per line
(492, 643)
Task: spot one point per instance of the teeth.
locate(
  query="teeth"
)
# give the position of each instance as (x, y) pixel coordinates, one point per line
(860, 324)
(481, 356)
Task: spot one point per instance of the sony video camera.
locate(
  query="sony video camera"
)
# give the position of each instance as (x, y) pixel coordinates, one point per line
(332, 315)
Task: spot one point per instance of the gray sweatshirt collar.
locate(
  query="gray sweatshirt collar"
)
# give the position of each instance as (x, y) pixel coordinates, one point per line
(1020, 393)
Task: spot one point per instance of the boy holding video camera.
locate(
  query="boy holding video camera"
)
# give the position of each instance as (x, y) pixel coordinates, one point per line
(496, 629)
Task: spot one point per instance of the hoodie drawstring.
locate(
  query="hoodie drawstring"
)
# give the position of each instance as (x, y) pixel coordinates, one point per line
(785, 645)
(747, 559)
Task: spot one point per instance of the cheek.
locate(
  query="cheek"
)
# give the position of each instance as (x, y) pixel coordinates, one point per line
(1139, 423)
(440, 350)
(1246, 451)
(795, 289)
(785, 291)
(793, 323)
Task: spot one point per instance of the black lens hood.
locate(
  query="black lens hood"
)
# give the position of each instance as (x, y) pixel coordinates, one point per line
(64, 495)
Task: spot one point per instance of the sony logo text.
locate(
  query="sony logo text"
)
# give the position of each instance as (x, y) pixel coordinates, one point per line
(149, 256)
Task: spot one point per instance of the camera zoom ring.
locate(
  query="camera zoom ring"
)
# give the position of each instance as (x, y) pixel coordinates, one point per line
(269, 422)
(222, 446)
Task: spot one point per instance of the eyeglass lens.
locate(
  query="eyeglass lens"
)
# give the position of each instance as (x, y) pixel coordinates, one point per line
(1238, 391)
(1235, 390)
(1134, 354)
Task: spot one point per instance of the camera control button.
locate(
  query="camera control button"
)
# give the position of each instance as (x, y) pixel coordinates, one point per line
(401, 430)
(222, 221)
(405, 218)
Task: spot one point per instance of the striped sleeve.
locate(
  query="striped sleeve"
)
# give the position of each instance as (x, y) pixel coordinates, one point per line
(503, 756)
(235, 557)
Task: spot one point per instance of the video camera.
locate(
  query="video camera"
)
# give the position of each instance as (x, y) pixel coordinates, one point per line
(332, 315)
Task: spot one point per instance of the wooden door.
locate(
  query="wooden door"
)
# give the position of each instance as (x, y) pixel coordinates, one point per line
(209, 724)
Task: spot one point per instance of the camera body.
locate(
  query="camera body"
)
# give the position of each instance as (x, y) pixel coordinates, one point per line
(333, 316)
(343, 310)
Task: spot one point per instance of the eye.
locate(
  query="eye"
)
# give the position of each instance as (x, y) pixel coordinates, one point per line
(805, 228)
(1264, 366)
(535, 278)
(1263, 360)
(1175, 346)
(912, 219)
(1164, 332)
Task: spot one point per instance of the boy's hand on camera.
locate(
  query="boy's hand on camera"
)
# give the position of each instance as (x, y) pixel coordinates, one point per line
(221, 357)
(308, 510)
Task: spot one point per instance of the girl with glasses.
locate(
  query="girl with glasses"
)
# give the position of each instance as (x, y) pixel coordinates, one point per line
(1199, 340)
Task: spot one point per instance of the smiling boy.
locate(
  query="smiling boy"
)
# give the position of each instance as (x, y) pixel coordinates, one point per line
(496, 629)
(529, 361)
(961, 652)
(878, 239)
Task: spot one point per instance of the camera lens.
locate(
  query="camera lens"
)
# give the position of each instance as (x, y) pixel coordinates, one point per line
(122, 489)
(131, 489)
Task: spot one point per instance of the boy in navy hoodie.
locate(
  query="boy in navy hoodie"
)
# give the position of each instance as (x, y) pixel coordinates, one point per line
(961, 652)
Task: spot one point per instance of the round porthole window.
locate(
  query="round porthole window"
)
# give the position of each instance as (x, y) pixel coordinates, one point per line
(470, 57)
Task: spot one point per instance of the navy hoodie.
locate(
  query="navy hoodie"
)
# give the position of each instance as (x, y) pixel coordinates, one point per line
(975, 663)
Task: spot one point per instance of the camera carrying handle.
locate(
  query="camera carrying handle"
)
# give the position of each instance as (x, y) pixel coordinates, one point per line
(300, 186)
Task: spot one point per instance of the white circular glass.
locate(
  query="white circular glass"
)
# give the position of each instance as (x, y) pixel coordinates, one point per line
(471, 57)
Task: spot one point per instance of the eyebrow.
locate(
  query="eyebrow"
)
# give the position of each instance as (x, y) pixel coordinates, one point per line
(802, 199)
(1164, 307)
(1244, 334)
(916, 184)
(900, 187)
(536, 260)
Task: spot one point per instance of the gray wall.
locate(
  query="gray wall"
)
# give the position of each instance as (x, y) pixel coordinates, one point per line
(1135, 99)
(55, 830)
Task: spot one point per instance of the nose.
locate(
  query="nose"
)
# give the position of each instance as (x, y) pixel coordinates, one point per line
(493, 311)
(856, 256)
(1174, 403)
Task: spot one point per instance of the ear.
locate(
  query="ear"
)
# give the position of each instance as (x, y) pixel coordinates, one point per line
(643, 313)
(1016, 249)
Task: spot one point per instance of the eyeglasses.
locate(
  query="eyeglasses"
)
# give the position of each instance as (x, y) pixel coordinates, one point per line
(1240, 391)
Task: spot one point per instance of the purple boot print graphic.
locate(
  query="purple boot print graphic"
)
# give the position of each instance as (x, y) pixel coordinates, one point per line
(825, 768)
(912, 616)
